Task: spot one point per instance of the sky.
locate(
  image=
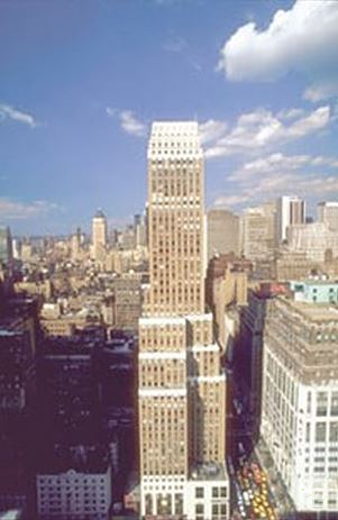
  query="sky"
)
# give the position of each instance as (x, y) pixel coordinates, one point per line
(82, 80)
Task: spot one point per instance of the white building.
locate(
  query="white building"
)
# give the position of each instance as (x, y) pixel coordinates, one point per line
(314, 240)
(72, 494)
(328, 213)
(300, 400)
(99, 235)
(290, 211)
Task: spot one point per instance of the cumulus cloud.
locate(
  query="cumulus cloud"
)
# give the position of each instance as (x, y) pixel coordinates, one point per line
(261, 129)
(129, 123)
(211, 130)
(303, 39)
(20, 210)
(273, 175)
(11, 113)
(277, 163)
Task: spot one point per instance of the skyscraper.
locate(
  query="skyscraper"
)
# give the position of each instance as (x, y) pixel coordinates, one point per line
(223, 232)
(99, 234)
(328, 213)
(181, 383)
(290, 211)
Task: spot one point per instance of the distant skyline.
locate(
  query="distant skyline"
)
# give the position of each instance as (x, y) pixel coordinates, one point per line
(81, 81)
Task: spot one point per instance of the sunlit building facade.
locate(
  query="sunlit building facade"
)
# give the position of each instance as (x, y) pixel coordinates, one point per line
(181, 382)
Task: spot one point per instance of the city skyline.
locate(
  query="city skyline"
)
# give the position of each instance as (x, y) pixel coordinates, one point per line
(76, 103)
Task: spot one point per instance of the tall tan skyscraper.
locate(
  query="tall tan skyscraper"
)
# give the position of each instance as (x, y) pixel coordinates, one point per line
(99, 235)
(181, 383)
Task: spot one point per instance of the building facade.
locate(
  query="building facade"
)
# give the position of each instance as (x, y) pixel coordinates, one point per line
(290, 211)
(328, 213)
(300, 399)
(222, 232)
(181, 383)
(99, 235)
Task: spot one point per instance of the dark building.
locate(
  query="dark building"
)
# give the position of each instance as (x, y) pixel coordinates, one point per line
(17, 402)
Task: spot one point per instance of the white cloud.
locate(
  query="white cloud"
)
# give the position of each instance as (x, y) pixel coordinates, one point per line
(131, 125)
(9, 112)
(277, 163)
(261, 129)
(274, 175)
(128, 121)
(14, 209)
(231, 200)
(211, 130)
(303, 39)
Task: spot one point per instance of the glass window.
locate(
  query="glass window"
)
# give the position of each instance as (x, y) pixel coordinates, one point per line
(320, 432)
(215, 492)
(199, 492)
(334, 403)
(199, 509)
(321, 404)
(334, 432)
(223, 491)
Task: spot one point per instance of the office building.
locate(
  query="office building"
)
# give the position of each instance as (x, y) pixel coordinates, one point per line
(314, 240)
(99, 235)
(328, 213)
(258, 236)
(75, 483)
(181, 384)
(290, 211)
(6, 254)
(300, 395)
(222, 232)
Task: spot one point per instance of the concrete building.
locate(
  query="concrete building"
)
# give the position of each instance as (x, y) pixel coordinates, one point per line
(222, 232)
(300, 398)
(328, 213)
(75, 483)
(181, 384)
(99, 235)
(315, 240)
(226, 285)
(6, 253)
(258, 232)
(290, 211)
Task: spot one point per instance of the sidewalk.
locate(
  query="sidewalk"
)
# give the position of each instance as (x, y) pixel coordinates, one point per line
(284, 505)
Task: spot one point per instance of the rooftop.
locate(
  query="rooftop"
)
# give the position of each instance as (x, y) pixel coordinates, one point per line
(209, 471)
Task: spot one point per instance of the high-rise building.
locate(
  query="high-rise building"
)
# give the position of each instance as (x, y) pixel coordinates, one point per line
(328, 213)
(258, 236)
(99, 235)
(314, 240)
(6, 254)
(290, 211)
(300, 394)
(181, 382)
(223, 232)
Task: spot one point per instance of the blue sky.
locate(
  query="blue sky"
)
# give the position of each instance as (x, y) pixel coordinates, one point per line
(81, 81)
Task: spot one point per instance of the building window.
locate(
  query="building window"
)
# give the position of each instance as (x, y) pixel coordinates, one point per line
(334, 404)
(199, 492)
(215, 493)
(334, 432)
(223, 492)
(199, 509)
(320, 432)
(321, 404)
